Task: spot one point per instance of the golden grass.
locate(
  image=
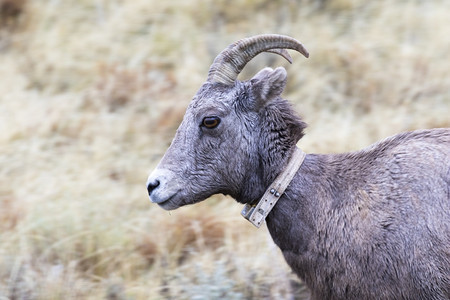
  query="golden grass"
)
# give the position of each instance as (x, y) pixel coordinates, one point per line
(92, 91)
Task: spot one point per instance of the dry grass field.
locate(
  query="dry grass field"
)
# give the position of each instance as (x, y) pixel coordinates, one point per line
(91, 92)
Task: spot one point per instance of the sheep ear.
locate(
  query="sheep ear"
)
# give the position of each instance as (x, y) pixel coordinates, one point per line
(268, 84)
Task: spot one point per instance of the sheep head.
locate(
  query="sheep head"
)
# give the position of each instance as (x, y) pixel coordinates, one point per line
(235, 136)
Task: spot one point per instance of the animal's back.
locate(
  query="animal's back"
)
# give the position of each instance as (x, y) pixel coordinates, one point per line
(413, 168)
(418, 190)
(390, 231)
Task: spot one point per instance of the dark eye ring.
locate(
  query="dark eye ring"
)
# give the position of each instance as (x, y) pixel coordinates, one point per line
(211, 122)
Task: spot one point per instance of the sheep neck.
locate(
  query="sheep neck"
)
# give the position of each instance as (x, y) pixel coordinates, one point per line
(258, 213)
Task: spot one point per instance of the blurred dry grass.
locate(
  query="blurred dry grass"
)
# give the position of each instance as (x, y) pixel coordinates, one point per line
(92, 91)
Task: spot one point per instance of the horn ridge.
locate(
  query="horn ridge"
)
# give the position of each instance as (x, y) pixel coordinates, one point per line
(230, 62)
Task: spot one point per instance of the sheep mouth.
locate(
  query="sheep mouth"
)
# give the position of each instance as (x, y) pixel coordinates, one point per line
(169, 203)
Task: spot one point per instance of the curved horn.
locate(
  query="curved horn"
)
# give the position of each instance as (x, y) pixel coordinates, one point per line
(230, 62)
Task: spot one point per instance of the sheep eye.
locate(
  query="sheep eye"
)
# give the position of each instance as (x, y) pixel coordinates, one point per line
(211, 122)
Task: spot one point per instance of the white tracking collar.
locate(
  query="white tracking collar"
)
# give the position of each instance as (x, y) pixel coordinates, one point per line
(257, 214)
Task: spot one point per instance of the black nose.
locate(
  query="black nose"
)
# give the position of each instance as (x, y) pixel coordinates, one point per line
(152, 185)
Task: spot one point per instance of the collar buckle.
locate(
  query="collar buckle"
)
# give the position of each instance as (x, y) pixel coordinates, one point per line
(247, 211)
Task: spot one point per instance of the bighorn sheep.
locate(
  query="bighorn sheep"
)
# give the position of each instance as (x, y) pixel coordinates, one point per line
(371, 224)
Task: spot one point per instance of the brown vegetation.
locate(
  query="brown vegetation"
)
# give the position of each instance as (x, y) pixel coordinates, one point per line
(10, 11)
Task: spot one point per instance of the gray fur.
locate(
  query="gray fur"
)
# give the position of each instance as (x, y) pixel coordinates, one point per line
(372, 224)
